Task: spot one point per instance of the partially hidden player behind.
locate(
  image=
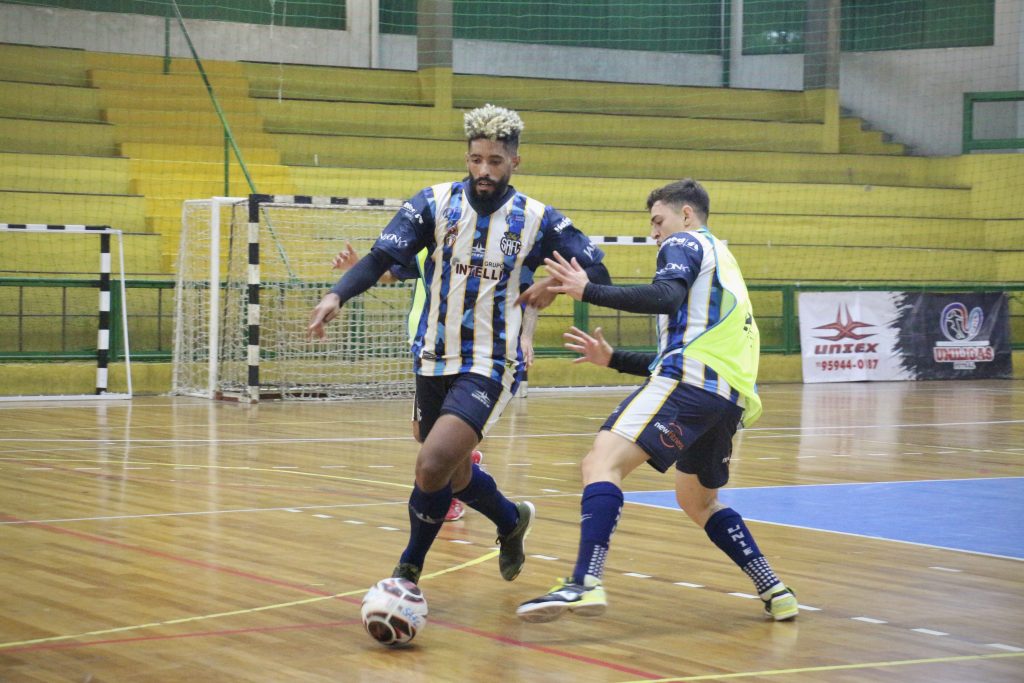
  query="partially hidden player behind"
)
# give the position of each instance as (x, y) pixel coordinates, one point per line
(348, 257)
(479, 232)
(699, 387)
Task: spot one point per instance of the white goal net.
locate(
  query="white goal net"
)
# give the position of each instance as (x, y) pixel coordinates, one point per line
(245, 290)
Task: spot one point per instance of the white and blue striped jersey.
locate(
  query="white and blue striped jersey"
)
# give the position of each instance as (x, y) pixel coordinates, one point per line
(690, 257)
(472, 273)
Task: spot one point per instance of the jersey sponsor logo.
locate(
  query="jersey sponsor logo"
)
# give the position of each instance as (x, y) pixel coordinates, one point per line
(671, 435)
(682, 241)
(562, 225)
(391, 237)
(482, 396)
(479, 251)
(473, 270)
(411, 211)
(672, 268)
(511, 244)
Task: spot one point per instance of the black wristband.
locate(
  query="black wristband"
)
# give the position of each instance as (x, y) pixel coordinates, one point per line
(631, 362)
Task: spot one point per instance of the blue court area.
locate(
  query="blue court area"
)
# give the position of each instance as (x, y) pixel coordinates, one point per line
(976, 515)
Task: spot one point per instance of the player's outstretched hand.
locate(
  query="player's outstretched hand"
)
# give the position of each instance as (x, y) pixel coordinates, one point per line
(591, 349)
(570, 276)
(538, 295)
(346, 258)
(325, 311)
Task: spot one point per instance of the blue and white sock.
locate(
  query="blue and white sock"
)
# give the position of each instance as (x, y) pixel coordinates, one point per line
(729, 532)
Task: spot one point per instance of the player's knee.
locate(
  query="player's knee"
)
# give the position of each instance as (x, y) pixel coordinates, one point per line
(599, 465)
(431, 472)
(698, 508)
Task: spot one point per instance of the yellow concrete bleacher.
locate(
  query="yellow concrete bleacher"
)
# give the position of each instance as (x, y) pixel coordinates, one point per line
(802, 195)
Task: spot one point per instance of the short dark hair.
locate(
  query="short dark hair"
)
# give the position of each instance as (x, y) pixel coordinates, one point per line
(685, 191)
(510, 143)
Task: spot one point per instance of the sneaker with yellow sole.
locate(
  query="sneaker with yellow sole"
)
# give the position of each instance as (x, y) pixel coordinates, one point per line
(782, 605)
(586, 600)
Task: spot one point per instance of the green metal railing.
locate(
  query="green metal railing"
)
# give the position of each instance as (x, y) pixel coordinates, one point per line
(969, 141)
(52, 319)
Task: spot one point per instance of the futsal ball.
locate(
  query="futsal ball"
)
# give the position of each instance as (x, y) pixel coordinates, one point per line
(394, 611)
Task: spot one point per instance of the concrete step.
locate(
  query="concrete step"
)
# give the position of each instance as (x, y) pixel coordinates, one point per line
(146, 83)
(196, 153)
(609, 161)
(64, 174)
(573, 193)
(51, 102)
(57, 137)
(123, 212)
(207, 118)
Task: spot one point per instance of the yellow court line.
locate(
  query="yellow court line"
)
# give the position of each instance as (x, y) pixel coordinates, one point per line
(250, 610)
(835, 667)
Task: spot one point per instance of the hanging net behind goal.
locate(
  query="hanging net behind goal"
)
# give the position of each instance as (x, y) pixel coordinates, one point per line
(246, 337)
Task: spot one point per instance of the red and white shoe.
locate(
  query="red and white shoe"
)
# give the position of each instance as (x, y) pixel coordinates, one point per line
(455, 511)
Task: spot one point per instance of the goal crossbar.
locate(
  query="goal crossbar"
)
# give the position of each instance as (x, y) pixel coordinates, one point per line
(103, 285)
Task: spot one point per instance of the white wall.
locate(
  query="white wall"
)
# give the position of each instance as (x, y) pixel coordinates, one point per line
(916, 95)
(144, 35)
(928, 85)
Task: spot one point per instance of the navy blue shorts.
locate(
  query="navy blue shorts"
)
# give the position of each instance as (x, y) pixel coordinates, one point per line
(476, 400)
(679, 424)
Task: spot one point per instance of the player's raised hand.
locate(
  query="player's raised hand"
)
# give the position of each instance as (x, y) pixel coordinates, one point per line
(324, 312)
(346, 258)
(571, 277)
(591, 349)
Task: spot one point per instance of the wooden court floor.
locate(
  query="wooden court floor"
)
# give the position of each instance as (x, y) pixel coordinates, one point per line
(170, 539)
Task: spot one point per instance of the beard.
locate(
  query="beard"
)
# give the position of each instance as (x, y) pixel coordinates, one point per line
(497, 188)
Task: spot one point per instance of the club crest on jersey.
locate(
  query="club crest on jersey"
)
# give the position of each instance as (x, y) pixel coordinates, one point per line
(511, 243)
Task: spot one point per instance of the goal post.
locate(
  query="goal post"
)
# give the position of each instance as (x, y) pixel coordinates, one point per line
(46, 258)
(249, 273)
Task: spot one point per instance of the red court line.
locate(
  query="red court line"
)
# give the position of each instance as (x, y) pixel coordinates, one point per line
(306, 589)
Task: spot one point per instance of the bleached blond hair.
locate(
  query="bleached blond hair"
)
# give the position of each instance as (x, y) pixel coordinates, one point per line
(493, 123)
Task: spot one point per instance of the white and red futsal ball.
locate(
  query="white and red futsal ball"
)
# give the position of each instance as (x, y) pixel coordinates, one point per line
(394, 611)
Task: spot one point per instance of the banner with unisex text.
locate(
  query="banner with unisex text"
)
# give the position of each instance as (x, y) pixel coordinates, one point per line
(883, 336)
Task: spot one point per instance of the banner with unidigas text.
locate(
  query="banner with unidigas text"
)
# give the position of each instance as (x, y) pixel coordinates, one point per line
(881, 336)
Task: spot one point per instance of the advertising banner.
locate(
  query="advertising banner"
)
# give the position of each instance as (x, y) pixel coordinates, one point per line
(850, 336)
(883, 336)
